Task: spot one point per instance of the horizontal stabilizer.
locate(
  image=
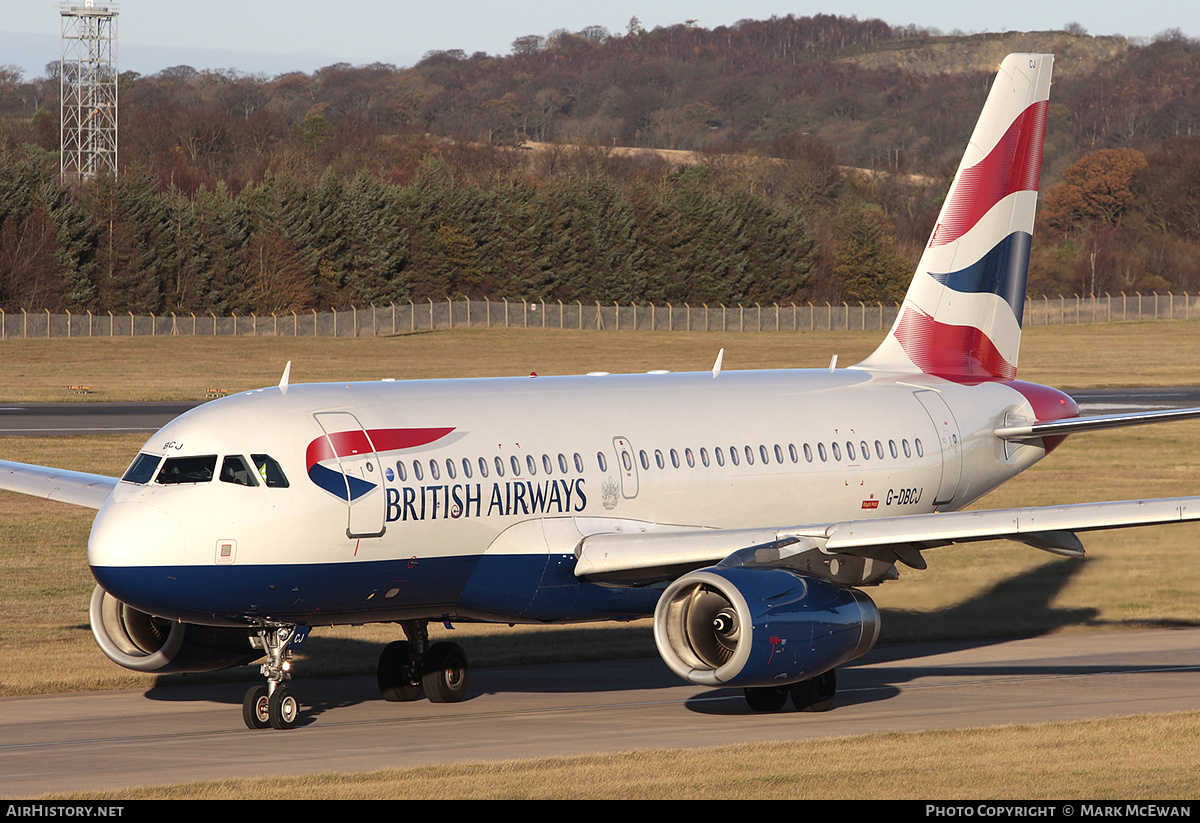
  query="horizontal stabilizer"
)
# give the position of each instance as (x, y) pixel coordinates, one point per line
(76, 488)
(1078, 425)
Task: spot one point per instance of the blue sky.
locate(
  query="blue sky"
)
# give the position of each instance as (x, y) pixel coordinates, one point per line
(272, 36)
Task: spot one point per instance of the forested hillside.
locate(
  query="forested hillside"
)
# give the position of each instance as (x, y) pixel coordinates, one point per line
(820, 149)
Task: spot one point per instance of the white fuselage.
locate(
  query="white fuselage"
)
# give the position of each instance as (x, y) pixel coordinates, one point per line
(605, 452)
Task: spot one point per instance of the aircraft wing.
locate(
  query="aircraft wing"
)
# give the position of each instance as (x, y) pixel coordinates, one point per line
(77, 488)
(645, 557)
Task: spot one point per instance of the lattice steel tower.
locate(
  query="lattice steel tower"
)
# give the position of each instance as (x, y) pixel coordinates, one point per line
(88, 90)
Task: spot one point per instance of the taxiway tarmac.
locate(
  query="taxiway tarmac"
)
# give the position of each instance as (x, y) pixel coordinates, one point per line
(175, 734)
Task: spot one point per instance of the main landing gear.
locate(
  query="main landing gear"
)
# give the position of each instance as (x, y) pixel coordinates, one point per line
(273, 705)
(408, 666)
(813, 695)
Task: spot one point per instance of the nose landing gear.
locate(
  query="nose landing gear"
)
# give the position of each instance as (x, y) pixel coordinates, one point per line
(273, 705)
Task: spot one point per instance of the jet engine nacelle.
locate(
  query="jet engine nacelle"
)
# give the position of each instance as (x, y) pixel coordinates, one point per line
(760, 627)
(146, 643)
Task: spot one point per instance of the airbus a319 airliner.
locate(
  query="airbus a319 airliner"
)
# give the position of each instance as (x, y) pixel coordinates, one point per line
(744, 510)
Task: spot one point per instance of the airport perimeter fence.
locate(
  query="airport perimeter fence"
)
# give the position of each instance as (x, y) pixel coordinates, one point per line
(407, 318)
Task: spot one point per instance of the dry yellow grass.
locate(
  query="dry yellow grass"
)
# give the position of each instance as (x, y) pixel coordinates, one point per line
(184, 368)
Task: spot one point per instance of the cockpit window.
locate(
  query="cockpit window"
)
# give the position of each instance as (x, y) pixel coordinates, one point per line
(269, 471)
(187, 469)
(235, 469)
(141, 470)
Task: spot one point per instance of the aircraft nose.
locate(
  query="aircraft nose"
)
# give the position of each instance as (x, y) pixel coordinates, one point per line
(133, 533)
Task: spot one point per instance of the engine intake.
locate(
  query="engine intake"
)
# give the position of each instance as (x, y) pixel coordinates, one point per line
(146, 643)
(760, 627)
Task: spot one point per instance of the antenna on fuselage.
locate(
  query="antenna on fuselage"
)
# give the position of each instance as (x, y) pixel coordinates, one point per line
(283, 381)
(717, 365)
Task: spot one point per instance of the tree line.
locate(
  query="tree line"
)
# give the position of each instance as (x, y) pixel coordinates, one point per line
(360, 184)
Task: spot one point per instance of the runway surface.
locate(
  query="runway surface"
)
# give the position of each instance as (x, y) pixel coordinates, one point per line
(52, 419)
(177, 734)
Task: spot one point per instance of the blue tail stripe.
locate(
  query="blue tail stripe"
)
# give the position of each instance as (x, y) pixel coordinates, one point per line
(1002, 271)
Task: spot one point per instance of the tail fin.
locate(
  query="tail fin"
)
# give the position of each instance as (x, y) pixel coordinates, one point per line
(961, 318)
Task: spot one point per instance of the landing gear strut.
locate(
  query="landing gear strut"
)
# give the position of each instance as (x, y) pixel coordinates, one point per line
(273, 705)
(813, 695)
(408, 666)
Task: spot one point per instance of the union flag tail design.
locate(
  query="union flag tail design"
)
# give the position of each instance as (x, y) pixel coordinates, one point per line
(961, 318)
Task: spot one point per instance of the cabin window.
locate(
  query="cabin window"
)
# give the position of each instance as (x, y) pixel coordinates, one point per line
(562, 462)
(808, 452)
(849, 450)
(779, 453)
(644, 459)
(516, 465)
(704, 456)
(892, 448)
(547, 463)
(837, 452)
(187, 469)
(658, 458)
(578, 463)
(733, 458)
(418, 473)
(141, 470)
(433, 470)
(904, 445)
(531, 464)
(920, 448)
(466, 468)
(821, 452)
(499, 466)
(483, 467)
(689, 458)
(762, 452)
(235, 469)
(878, 449)
(600, 461)
(749, 456)
(720, 453)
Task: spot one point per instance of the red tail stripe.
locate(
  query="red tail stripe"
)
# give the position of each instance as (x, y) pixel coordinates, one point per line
(959, 353)
(1014, 164)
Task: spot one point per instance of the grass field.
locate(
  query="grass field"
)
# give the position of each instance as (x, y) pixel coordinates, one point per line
(1143, 577)
(185, 368)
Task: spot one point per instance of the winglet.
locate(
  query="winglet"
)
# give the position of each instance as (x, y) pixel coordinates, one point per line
(283, 381)
(716, 369)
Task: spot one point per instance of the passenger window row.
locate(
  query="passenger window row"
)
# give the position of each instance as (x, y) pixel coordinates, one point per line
(434, 469)
(779, 454)
(451, 469)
